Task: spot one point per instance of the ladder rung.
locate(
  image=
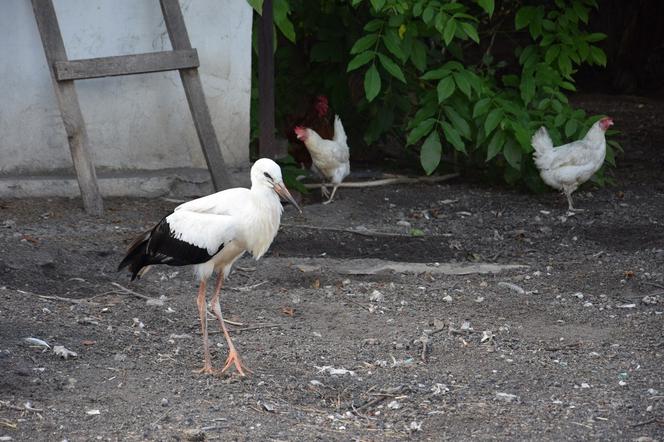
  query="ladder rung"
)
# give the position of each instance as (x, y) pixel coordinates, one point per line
(126, 64)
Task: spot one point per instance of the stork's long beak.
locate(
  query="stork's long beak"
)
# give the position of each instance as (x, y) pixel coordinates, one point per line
(285, 194)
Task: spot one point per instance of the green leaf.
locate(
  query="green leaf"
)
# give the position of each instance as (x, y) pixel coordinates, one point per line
(481, 107)
(428, 14)
(448, 32)
(597, 56)
(492, 120)
(356, 2)
(281, 11)
(527, 88)
(391, 67)
(594, 37)
(436, 74)
(512, 154)
(487, 5)
(495, 145)
(430, 152)
(421, 130)
(364, 43)
(371, 83)
(257, 5)
(570, 128)
(470, 31)
(418, 55)
(551, 53)
(393, 44)
(378, 4)
(360, 60)
(373, 25)
(523, 17)
(445, 88)
(452, 135)
(459, 123)
(416, 232)
(461, 80)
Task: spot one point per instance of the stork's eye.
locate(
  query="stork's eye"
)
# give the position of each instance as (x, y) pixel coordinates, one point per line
(267, 175)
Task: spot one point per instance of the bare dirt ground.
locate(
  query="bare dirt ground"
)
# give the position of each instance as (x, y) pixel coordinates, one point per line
(569, 346)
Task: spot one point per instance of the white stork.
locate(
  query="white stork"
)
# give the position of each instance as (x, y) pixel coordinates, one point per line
(211, 233)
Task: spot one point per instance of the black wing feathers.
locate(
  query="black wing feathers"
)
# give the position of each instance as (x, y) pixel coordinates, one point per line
(159, 246)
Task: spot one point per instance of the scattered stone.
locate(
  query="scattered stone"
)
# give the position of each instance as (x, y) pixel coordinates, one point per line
(164, 402)
(578, 295)
(439, 389)
(376, 296)
(487, 335)
(194, 435)
(650, 300)
(37, 342)
(394, 405)
(512, 287)
(415, 426)
(403, 223)
(334, 371)
(64, 353)
(447, 298)
(94, 412)
(371, 341)
(626, 306)
(506, 397)
(120, 357)
(652, 392)
(267, 406)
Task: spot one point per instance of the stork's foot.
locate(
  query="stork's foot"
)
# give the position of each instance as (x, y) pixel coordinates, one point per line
(234, 360)
(207, 369)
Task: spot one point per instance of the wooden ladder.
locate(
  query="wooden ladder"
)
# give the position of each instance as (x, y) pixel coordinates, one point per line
(183, 58)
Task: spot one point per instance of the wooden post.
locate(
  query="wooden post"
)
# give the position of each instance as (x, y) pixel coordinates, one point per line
(193, 89)
(266, 142)
(65, 92)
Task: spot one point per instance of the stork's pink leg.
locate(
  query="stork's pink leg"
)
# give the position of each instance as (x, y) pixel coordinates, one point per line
(202, 314)
(233, 356)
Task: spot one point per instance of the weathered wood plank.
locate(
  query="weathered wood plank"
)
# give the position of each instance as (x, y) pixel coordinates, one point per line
(65, 92)
(193, 89)
(267, 147)
(126, 64)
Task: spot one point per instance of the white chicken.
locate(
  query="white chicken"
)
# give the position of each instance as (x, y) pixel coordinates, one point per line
(568, 166)
(330, 157)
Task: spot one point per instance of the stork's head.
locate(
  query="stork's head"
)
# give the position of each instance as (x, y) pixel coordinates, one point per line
(321, 105)
(266, 173)
(302, 133)
(605, 123)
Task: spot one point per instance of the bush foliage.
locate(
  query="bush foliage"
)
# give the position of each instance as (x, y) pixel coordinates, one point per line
(468, 80)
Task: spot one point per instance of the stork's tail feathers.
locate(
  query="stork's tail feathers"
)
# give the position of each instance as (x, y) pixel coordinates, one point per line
(137, 256)
(542, 144)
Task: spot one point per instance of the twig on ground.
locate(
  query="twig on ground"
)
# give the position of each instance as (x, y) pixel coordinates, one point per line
(352, 301)
(247, 288)
(654, 284)
(564, 347)
(656, 420)
(131, 292)
(248, 328)
(381, 396)
(398, 179)
(342, 230)
(61, 298)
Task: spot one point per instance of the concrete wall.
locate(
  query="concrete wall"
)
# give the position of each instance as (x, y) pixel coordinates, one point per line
(135, 123)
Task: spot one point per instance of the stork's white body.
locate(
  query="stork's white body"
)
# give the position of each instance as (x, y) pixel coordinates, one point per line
(210, 234)
(238, 219)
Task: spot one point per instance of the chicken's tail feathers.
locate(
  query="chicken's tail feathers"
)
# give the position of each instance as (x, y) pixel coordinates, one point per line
(339, 132)
(542, 144)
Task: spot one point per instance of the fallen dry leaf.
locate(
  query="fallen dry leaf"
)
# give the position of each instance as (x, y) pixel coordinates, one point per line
(88, 342)
(316, 283)
(288, 311)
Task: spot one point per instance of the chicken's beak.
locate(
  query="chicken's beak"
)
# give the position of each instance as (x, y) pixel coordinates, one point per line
(285, 194)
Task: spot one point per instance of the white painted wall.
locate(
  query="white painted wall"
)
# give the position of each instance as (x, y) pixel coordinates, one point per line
(139, 122)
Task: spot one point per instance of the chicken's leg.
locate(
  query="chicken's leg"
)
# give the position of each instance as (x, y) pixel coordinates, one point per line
(570, 206)
(334, 190)
(233, 356)
(202, 314)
